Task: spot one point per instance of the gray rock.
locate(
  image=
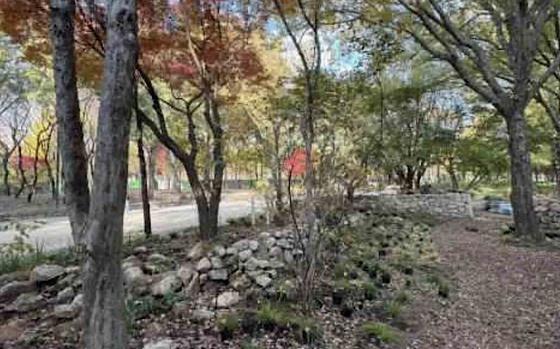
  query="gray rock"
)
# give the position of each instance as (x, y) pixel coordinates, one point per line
(263, 281)
(16, 288)
(161, 344)
(170, 283)
(228, 299)
(264, 235)
(241, 245)
(218, 275)
(140, 250)
(252, 264)
(186, 273)
(70, 311)
(245, 255)
(65, 295)
(134, 276)
(73, 270)
(279, 234)
(203, 265)
(192, 288)
(217, 262)
(46, 272)
(240, 282)
(202, 315)
(288, 256)
(253, 245)
(157, 258)
(276, 264)
(270, 242)
(284, 243)
(219, 251)
(275, 252)
(28, 302)
(231, 251)
(196, 252)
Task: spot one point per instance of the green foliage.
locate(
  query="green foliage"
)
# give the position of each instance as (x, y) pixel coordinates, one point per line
(393, 309)
(228, 324)
(382, 332)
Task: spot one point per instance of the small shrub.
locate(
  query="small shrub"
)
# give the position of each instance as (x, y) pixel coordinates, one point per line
(443, 290)
(269, 317)
(306, 330)
(228, 324)
(370, 291)
(382, 332)
(393, 309)
(402, 297)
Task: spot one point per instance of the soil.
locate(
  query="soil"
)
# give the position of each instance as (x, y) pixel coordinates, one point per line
(506, 294)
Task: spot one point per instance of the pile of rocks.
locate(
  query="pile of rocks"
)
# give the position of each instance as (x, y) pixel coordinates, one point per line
(47, 284)
(247, 263)
(548, 213)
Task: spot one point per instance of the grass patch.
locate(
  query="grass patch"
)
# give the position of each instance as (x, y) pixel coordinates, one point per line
(20, 256)
(382, 332)
(227, 325)
(272, 317)
(393, 309)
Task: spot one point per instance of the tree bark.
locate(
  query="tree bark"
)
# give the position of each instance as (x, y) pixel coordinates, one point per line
(70, 132)
(143, 180)
(6, 176)
(21, 172)
(103, 314)
(556, 161)
(524, 215)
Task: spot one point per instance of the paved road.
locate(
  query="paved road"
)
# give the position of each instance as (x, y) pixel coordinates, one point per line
(54, 233)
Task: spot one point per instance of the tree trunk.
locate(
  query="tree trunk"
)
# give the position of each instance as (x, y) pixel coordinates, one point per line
(21, 171)
(277, 170)
(556, 163)
(70, 132)
(6, 176)
(103, 312)
(524, 215)
(152, 182)
(143, 180)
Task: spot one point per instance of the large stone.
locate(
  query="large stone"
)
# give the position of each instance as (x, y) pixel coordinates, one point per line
(161, 344)
(134, 276)
(131, 261)
(227, 299)
(140, 250)
(196, 252)
(231, 251)
(28, 302)
(192, 288)
(252, 264)
(217, 262)
(284, 243)
(65, 295)
(170, 283)
(218, 275)
(203, 265)
(241, 245)
(263, 281)
(240, 282)
(157, 258)
(276, 252)
(288, 256)
(15, 288)
(219, 251)
(270, 242)
(201, 315)
(245, 255)
(186, 273)
(253, 245)
(46, 272)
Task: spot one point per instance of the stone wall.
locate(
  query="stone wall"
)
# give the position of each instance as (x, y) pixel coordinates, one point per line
(439, 205)
(548, 212)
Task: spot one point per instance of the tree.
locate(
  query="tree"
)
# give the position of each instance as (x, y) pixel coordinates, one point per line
(104, 317)
(70, 131)
(492, 46)
(310, 13)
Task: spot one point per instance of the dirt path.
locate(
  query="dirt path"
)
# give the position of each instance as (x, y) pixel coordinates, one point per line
(506, 297)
